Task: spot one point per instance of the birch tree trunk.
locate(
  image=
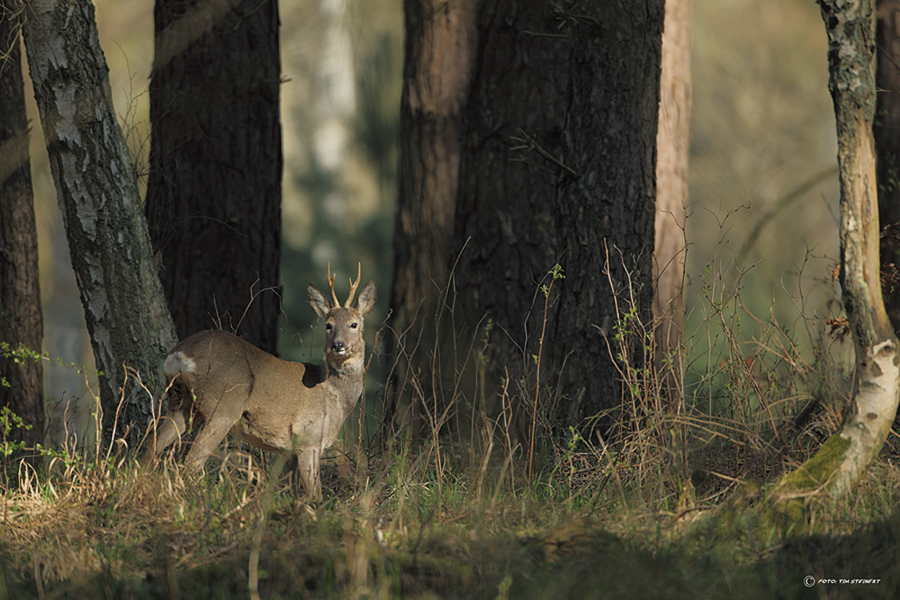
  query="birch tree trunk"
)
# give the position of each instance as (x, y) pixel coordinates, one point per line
(845, 456)
(97, 192)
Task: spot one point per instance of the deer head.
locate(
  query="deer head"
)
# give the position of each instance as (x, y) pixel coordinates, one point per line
(344, 344)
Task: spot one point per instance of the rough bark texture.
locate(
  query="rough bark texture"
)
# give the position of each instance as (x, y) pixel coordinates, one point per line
(673, 145)
(887, 123)
(504, 226)
(887, 147)
(214, 192)
(20, 296)
(440, 38)
(605, 203)
(847, 454)
(97, 192)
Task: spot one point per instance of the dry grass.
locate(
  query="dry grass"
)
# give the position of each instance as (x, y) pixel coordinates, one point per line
(480, 515)
(115, 531)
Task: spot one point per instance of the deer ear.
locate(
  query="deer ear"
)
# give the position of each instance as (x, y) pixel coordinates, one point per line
(319, 303)
(366, 301)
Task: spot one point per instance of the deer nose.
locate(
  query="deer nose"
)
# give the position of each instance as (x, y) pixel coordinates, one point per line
(339, 347)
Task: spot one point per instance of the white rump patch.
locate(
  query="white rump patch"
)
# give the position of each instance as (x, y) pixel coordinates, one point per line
(178, 363)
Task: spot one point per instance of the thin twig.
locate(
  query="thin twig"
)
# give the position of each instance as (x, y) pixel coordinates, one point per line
(529, 143)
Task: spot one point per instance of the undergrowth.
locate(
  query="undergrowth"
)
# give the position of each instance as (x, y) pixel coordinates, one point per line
(488, 514)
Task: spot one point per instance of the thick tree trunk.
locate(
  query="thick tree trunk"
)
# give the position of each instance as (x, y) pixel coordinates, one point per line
(214, 192)
(20, 296)
(673, 145)
(887, 149)
(97, 191)
(843, 459)
(440, 45)
(605, 202)
(504, 226)
(887, 124)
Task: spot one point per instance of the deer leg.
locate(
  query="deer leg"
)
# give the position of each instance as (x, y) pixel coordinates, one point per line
(310, 474)
(215, 428)
(171, 428)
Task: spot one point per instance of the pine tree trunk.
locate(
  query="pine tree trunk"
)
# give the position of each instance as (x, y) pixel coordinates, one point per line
(97, 191)
(886, 129)
(439, 51)
(505, 229)
(20, 296)
(605, 202)
(214, 192)
(673, 146)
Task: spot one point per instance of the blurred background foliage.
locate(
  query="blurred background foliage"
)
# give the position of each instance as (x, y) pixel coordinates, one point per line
(763, 182)
(763, 145)
(763, 212)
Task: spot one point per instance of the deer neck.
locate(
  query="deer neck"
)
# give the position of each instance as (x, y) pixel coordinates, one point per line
(347, 379)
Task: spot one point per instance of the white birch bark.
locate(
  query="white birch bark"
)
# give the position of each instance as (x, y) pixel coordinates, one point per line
(97, 191)
(844, 458)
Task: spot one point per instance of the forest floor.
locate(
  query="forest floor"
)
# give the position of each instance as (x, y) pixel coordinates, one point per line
(429, 525)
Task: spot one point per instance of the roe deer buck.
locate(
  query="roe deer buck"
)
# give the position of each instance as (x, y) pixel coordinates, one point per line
(276, 405)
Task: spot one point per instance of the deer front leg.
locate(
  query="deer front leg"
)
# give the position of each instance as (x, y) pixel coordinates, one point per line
(308, 469)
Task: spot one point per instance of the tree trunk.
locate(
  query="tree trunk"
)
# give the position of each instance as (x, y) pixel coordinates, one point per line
(673, 145)
(20, 296)
(98, 195)
(214, 192)
(605, 201)
(844, 457)
(505, 232)
(886, 129)
(440, 44)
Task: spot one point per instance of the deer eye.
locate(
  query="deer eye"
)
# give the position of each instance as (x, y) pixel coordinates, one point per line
(354, 325)
(328, 326)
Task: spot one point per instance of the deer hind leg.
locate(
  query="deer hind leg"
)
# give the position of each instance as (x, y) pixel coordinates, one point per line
(172, 427)
(215, 427)
(310, 473)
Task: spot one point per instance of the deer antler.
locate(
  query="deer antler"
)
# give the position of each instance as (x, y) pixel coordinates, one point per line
(353, 285)
(334, 299)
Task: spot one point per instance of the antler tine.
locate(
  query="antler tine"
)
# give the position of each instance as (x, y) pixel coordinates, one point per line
(353, 285)
(331, 285)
